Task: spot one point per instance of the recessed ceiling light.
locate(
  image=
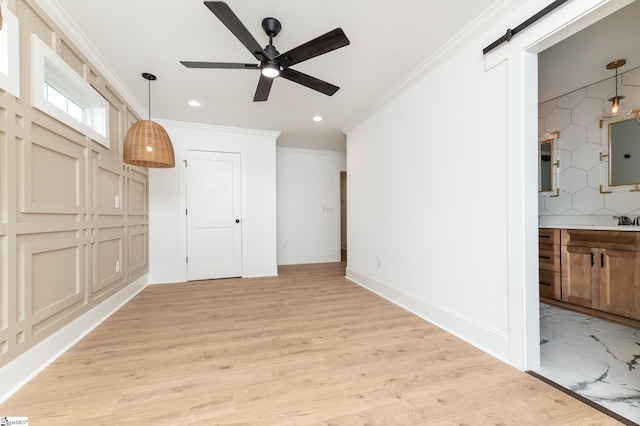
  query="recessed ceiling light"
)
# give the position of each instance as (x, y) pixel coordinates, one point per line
(193, 102)
(317, 118)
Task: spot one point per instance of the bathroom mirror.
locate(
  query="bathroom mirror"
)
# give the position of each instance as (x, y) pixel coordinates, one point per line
(624, 152)
(545, 165)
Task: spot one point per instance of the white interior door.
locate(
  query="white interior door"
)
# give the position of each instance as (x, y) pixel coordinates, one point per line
(213, 215)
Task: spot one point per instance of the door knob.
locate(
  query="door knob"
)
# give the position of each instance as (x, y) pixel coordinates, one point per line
(237, 220)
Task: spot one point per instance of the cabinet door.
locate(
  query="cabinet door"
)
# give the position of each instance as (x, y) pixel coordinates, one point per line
(619, 275)
(579, 276)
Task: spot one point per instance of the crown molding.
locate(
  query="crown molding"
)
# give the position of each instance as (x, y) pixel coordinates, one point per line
(216, 128)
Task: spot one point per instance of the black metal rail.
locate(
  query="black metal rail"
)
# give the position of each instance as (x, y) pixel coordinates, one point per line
(511, 32)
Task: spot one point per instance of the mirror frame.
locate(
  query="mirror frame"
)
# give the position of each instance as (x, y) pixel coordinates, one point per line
(554, 164)
(610, 151)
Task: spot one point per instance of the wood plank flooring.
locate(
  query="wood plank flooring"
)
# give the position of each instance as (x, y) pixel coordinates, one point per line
(305, 348)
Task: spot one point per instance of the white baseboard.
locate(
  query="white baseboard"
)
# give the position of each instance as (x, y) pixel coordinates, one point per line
(260, 271)
(303, 260)
(479, 335)
(19, 371)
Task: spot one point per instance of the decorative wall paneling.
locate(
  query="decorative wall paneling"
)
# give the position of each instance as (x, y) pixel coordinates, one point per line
(73, 216)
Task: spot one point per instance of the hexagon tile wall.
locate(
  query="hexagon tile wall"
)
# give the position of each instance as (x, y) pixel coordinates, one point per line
(576, 116)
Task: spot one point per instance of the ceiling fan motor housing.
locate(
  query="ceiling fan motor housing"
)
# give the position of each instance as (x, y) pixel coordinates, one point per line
(271, 51)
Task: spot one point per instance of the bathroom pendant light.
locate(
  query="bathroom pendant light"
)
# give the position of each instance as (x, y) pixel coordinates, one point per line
(147, 144)
(617, 106)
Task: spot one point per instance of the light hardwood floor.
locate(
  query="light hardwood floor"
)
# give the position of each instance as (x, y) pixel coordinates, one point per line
(305, 348)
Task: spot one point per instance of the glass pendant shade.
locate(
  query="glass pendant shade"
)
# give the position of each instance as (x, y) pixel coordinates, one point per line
(147, 144)
(617, 106)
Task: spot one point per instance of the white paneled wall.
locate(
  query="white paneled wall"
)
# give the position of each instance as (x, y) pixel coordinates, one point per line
(576, 116)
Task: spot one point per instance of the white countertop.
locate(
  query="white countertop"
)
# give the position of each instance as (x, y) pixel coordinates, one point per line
(588, 222)
(629, 228)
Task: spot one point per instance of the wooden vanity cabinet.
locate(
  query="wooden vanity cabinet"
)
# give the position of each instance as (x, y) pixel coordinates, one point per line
(549, 263)
(619, 282)
(601, 270)
(579, 277)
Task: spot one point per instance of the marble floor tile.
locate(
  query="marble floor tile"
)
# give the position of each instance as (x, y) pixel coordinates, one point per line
(594, 358)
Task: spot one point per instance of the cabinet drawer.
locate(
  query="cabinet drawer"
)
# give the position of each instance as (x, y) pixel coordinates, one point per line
(549, 257)
(620, 240)
(548, 236)
(549, 284)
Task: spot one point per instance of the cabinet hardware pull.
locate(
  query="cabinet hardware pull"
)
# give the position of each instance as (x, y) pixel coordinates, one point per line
(592, 259)
(545, 257)
(544, 283)
(602, 260)
(544, 236)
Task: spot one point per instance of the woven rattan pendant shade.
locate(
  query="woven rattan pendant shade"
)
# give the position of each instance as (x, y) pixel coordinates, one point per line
(147, 144)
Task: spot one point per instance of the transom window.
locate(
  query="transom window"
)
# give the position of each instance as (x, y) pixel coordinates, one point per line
(66, 96)
(62, 102)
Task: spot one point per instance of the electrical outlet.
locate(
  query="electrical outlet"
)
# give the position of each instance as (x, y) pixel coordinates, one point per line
(379, 263)
(117, 266)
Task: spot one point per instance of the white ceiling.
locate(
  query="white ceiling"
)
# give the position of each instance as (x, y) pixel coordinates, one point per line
(389, 39)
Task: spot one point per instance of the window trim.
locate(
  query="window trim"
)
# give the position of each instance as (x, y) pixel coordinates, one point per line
(50, 68)
(10, 51)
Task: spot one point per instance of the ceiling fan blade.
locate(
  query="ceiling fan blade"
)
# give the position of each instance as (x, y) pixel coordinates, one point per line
(225, 65)
(231, 21)
(263, 89)
(310, 82)
(325, 43)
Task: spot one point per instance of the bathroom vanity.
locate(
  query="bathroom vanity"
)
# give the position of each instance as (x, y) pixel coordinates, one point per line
(594, 269)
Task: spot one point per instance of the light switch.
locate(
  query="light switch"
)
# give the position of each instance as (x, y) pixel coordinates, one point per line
(117, 202)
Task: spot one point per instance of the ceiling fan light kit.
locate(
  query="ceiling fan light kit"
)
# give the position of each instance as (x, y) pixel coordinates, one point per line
(147, 143)
(270, 70)
(272, 63)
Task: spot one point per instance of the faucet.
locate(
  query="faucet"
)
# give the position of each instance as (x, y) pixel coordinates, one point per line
(624, 220)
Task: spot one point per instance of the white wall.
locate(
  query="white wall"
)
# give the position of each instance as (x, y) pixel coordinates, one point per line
(455, 240)
(167, 199)
(576, 116)
(308, 183)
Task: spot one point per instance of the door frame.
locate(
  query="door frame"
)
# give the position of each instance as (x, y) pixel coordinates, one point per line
(521, 58)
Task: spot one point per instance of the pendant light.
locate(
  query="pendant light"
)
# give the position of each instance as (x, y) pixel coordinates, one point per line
(617, 106)
(147, 144)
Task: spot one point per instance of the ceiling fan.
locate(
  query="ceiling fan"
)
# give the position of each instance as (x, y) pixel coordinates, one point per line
(273, 63)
